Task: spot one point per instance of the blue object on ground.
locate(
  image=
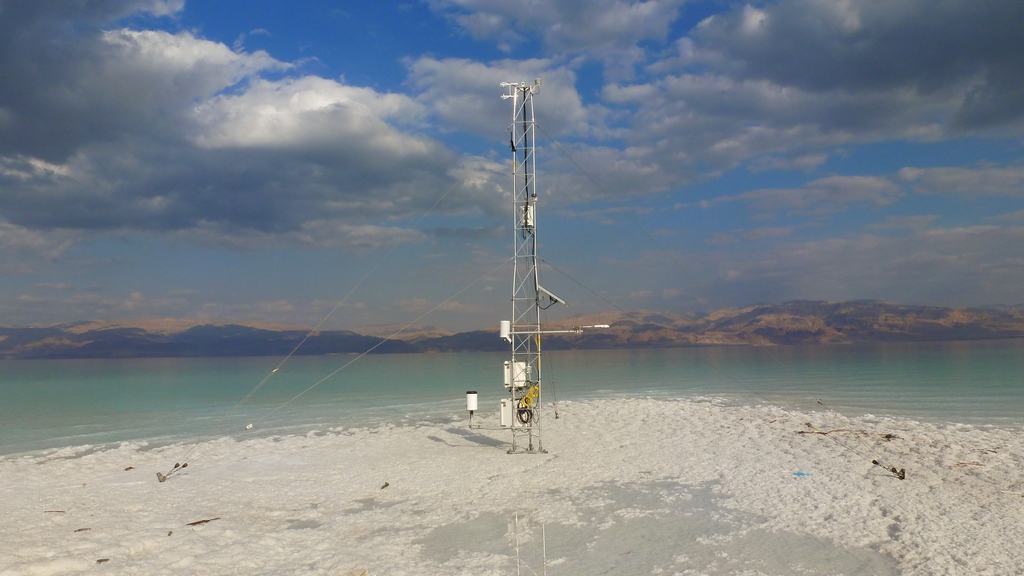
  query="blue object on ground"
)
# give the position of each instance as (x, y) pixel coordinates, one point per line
(801, 473)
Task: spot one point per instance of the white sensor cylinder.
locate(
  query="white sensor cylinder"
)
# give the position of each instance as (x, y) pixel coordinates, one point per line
(505, 330)
(471, 401)
(505, 413)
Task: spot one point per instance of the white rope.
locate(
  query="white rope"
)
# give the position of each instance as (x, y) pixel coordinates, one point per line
(393, 334)
(349, 363)
(315, 329)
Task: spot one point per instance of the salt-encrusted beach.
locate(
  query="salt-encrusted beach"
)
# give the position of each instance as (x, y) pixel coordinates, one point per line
(629, 486)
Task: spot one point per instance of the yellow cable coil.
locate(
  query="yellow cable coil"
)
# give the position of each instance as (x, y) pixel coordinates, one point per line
(531, 396)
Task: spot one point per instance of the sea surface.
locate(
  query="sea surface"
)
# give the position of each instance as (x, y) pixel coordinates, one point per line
(47, 404)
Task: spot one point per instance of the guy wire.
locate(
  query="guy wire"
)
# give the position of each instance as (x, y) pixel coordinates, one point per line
(898, 473)
(364, 353)
(362, 280)
(319, 324)
(393, 334)
(614, 202)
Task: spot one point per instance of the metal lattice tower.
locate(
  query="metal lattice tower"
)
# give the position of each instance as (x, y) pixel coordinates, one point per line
(521, 409)
(522, 413)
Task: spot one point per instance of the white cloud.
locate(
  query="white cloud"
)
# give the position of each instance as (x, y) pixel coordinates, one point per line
(59, 286)
(720, 239)
(982, 181)
(170, 133)
(20, 245)
(465, 95)
(565, 25)
(414, 305)
(629, 172)
(333, 233)
(176, 66)
(311, 112)
(720, 121)
(1017, 216)
(23, 169)
(822, 196)
(479, 185)
(160, 7)
(961, 48)
(808, 162)
(771, 232)
(752, 20)
(916, 223)
(781, 85)
(276, 307)
(937, 266)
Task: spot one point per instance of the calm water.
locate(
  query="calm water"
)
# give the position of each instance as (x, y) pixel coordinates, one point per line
(46, 404)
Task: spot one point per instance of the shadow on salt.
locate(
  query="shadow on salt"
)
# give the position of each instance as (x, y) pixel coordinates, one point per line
(661, 527)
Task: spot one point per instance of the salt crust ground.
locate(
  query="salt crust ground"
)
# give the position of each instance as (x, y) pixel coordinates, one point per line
(314, 504)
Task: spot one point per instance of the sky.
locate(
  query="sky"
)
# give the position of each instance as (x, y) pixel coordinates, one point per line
(269, 161)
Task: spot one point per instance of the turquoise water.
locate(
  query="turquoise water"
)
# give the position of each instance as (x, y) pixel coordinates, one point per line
(57, 403)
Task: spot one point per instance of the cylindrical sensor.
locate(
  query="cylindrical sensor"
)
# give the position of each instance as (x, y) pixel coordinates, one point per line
(471, 400)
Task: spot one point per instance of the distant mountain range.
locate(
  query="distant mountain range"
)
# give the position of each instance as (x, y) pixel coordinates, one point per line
(798, 322)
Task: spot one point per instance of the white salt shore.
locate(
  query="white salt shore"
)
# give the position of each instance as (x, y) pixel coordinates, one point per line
(629, 486)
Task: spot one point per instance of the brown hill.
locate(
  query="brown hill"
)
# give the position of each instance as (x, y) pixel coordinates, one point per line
(799, 322)
(408, 333)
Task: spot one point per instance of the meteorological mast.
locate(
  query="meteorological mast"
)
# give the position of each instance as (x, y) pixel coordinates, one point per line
(520, 410)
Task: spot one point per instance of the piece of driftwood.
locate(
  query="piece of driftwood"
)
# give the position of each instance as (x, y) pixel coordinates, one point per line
(965, 464)
(198, 522)
(823, 433)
